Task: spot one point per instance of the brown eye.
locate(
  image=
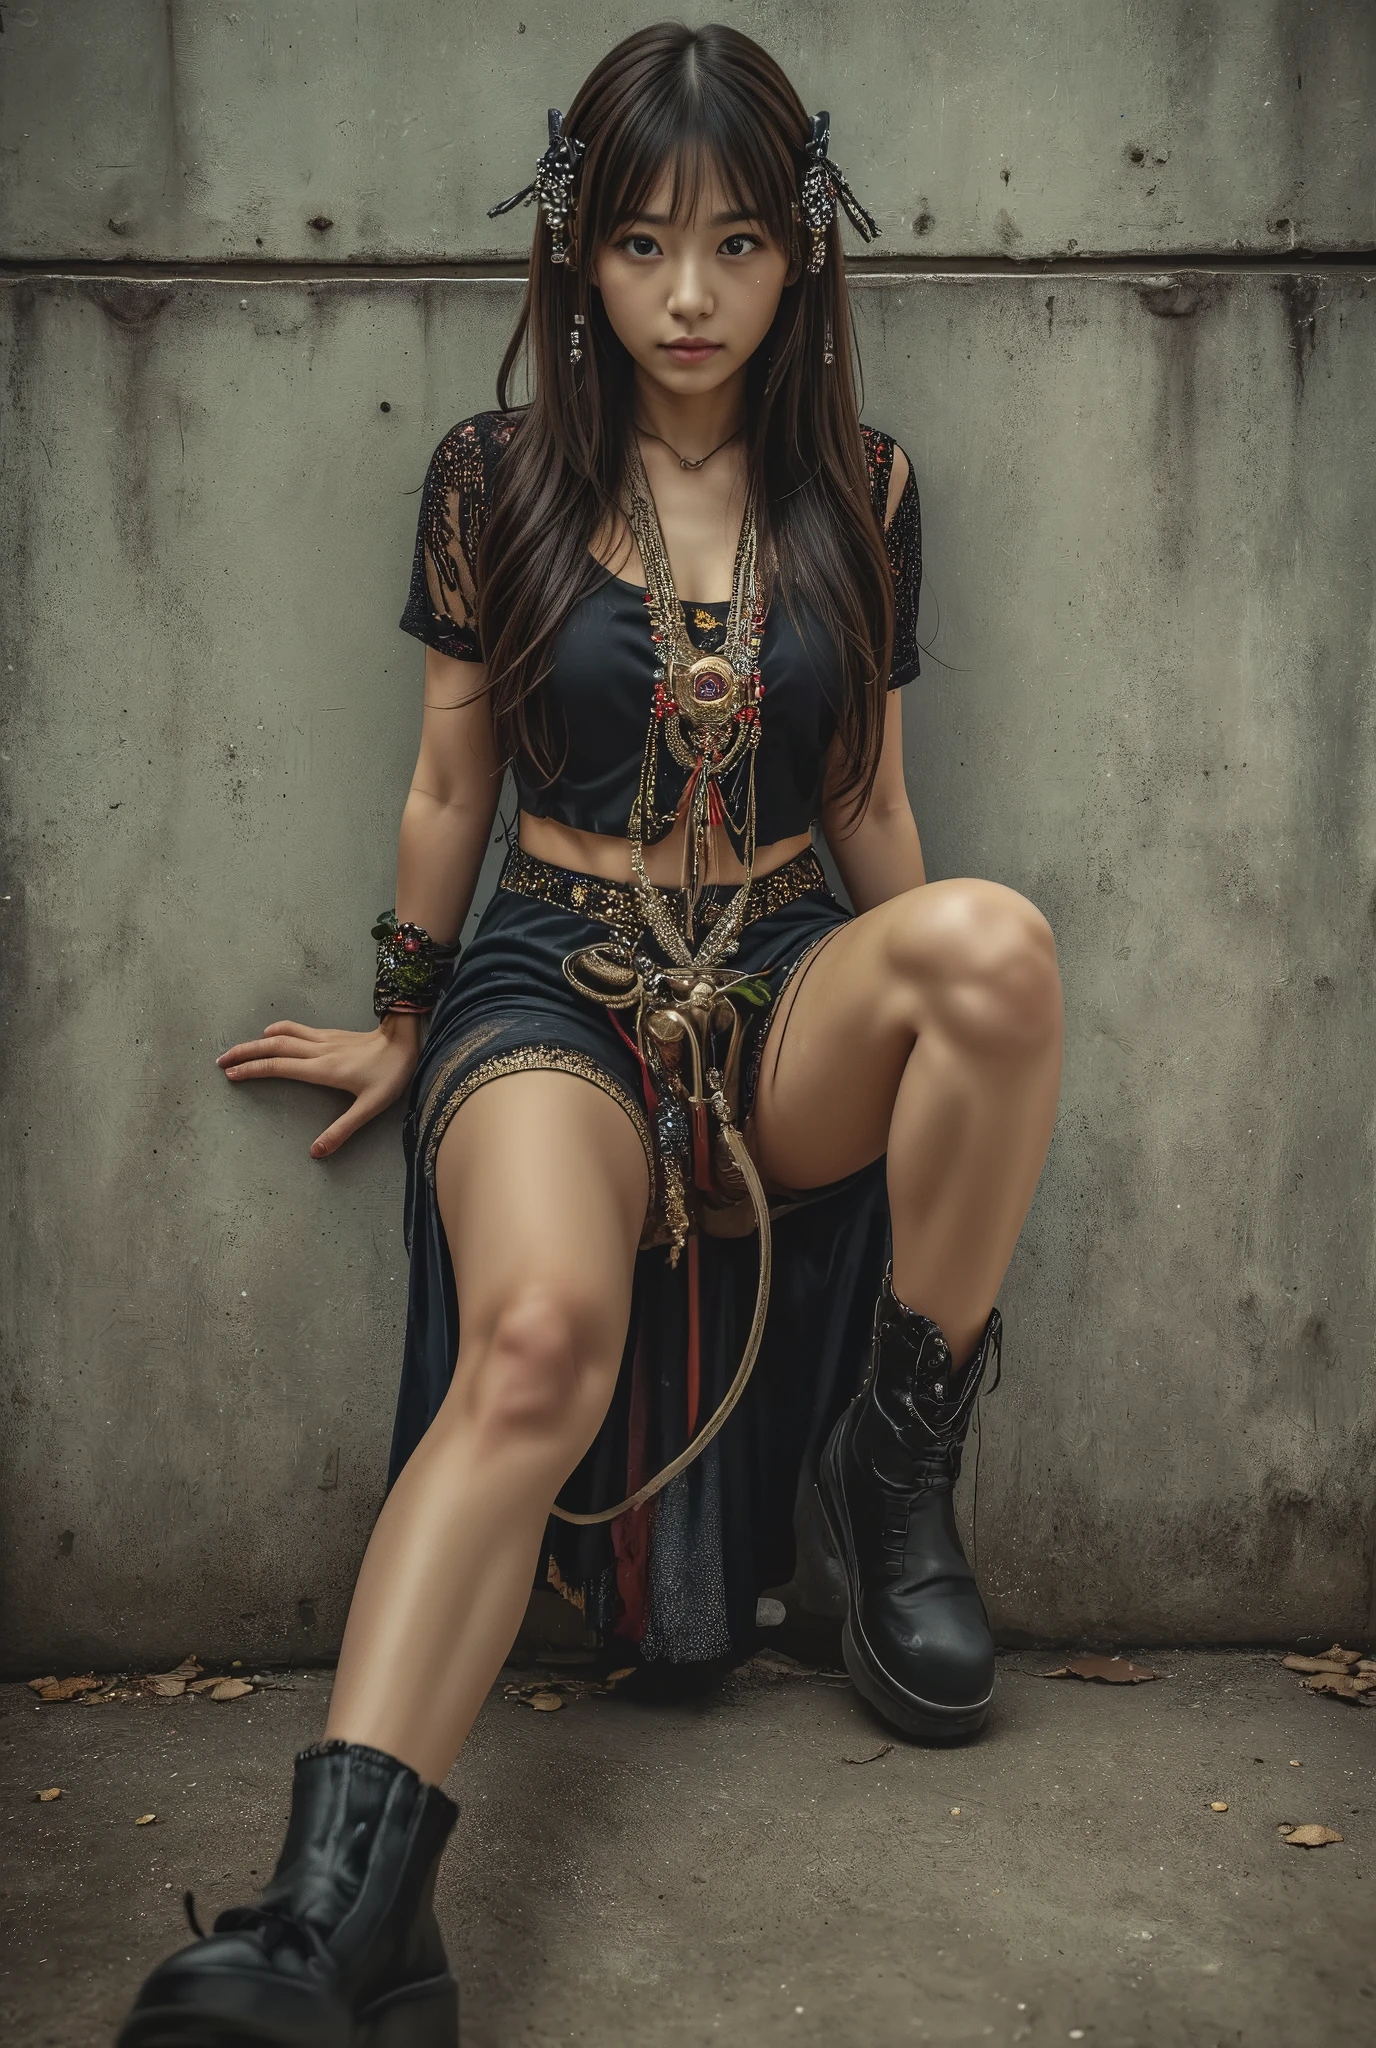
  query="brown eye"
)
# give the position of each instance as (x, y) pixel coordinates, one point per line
(641, 245)
(740, 245)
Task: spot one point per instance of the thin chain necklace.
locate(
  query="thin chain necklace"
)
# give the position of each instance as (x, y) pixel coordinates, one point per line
(689, 461)
(705, 709)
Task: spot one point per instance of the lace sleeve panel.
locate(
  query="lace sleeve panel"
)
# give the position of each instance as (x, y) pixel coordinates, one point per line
(903, 543)
(442, 604)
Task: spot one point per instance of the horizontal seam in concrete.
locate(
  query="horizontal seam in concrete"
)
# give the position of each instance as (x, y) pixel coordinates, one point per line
(859, 268)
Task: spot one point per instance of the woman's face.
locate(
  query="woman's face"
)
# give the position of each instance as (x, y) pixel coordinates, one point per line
(691, 301)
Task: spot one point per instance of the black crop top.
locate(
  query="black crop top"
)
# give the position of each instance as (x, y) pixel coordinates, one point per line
(599, 689)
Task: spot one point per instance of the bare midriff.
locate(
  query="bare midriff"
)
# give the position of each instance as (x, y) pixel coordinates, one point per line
(597, 853)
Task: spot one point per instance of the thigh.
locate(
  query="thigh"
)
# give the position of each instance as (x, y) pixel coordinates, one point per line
(542, 1185)
(841, 1036)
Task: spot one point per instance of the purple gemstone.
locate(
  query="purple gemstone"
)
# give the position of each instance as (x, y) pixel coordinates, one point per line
(708, 688)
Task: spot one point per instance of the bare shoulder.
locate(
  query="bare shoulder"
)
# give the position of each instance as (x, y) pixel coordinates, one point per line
(889, 469)
(898, 479)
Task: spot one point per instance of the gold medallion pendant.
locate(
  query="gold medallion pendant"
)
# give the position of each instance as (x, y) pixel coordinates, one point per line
(706, 690)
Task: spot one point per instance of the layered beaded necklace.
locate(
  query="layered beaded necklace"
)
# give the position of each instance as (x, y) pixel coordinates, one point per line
(705, 713)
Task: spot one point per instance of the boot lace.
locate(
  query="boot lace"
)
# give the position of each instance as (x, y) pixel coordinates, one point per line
(933, 1469)
(274, 1922)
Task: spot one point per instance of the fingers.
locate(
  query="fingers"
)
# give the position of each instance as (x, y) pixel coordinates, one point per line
(306, 1035)
(359, 1112)
(279, 1049)
(280, 1068)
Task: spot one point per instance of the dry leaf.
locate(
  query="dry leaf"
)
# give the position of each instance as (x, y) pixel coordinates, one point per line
(1334, 1659)
(53, 1792)
(230, 1689)
(546, 1702)
(165, 1687)
(144, 1819)
(883, 1751)
(1366, 1667)
(1105, 1670)
(204, 1684)
(1341, 1684)
(1218, 1806)
(1312, 1836)
(778, 1664)
(615, 1677)
(64, 1688)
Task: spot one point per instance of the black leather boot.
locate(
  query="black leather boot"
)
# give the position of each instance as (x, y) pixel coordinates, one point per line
(342, 1949)
(916, 1638)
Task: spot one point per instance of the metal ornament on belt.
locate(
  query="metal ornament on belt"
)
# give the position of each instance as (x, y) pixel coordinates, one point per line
(689, 1034)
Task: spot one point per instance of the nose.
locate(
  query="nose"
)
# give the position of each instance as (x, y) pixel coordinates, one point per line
(690, 293)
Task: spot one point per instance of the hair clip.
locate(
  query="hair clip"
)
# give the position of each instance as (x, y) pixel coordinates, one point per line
(552, 185)
(823, 184)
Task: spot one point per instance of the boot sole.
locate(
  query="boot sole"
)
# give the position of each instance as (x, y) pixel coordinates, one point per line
(928, 1721)
(420, 2016)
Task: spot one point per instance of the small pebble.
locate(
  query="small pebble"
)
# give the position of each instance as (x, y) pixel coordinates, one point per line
(1218, 1806)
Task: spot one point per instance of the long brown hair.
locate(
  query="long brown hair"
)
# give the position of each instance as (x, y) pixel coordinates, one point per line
(694, 102)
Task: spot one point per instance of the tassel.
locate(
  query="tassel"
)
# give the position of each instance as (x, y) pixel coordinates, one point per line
(694, 1334)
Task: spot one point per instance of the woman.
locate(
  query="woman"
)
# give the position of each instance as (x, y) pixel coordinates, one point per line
(677, 593)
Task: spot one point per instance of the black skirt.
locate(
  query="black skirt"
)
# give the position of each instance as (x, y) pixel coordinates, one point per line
(678, 1578)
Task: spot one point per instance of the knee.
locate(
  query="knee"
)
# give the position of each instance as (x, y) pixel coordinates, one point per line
(532, 1377)
(983, 960)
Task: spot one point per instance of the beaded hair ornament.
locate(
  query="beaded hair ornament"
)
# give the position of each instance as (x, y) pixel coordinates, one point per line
(823, 184)
(552, 185)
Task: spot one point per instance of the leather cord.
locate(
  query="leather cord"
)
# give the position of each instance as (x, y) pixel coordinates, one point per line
(746, 1167)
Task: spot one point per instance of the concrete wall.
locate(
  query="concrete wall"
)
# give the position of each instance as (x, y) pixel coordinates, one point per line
(1148, 497)
(328, 129)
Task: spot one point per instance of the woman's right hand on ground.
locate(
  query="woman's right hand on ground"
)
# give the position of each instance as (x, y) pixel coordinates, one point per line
(375, 1067)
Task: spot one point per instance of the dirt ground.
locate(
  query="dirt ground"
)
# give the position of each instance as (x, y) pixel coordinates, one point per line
(733, 1870)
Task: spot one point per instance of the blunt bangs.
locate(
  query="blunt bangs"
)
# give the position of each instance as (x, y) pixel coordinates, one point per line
(699, 135)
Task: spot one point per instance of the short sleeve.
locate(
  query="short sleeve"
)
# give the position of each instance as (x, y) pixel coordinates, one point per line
(442, 603)
(903, 545)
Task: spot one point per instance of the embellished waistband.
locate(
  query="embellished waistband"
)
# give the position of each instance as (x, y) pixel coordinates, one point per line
(615, 903)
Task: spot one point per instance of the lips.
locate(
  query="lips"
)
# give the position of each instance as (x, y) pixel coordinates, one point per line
(691, 351)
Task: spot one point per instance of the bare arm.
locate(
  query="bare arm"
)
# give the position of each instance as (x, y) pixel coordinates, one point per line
(444, 830)
(881, 855)
(452, 800)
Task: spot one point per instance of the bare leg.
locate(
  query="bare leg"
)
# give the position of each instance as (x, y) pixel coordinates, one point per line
(930, 1028)
(542, 1186)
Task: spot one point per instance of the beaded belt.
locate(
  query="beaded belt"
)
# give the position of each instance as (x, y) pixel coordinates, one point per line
(615, 903)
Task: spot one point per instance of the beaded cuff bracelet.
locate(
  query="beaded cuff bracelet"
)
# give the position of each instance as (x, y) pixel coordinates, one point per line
(412, 968)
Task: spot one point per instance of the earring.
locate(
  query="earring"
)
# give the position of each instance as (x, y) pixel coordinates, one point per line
(828, 346)
(575, 339)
